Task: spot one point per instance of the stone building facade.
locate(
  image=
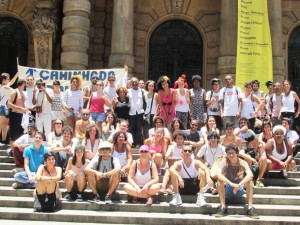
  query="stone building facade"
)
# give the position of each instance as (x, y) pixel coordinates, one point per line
(153, 37)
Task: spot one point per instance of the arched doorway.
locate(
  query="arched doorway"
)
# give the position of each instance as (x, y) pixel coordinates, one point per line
(294, 59)
(13, 44)
(175, 48)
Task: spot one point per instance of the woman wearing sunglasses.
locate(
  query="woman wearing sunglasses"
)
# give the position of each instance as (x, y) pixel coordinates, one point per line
(142, 178)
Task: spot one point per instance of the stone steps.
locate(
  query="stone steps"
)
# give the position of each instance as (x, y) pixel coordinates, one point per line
(105, 215)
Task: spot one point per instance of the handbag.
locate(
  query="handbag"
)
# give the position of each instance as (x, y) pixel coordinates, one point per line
(146, 117)
(194, 180)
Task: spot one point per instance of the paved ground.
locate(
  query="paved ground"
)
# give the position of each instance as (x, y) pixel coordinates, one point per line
(24, 222)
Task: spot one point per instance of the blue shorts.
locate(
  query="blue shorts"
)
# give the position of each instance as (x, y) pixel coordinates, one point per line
(98, 117)
(230, 194)
(3, 109)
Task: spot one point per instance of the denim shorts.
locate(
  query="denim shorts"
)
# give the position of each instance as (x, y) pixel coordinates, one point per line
(98, 117)
(3, 110)
(230, 194)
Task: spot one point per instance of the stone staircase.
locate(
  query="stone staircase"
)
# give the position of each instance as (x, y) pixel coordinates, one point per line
(277, 203)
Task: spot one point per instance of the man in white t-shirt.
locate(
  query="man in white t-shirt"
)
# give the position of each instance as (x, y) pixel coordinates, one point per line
(230, 98)
(29, 92)
(42, 98)
(212, 102)
(110, 90)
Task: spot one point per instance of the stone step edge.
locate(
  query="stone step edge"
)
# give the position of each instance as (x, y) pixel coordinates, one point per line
(125, 217)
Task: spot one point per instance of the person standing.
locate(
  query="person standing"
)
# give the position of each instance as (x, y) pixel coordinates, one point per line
(183, 103)
(230, 98)
(136, 112)
(197, 96)
(275, 103)
(57, 103)
(212, 102)
(110, 90)
(88, 90)
(42, 99)
(30, 87)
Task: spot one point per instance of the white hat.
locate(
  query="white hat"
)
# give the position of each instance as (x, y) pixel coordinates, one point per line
(104, 144)
(279, 127)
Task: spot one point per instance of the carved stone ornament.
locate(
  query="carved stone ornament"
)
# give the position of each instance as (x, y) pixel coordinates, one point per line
(177, 5)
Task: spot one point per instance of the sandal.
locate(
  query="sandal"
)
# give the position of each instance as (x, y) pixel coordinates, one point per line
(149, 201)
(134, 199)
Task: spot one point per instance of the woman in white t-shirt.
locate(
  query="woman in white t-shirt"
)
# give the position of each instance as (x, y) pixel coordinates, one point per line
(92, 141)
(183, 102)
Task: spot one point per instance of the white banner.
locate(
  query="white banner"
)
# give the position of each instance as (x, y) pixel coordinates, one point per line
(64, 76)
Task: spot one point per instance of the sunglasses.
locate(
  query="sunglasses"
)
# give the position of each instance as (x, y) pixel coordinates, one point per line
(111, 80)
(85, 114)
(189, 151)
(99, 84)
(143, 151)
(59, 123)
(105, 149)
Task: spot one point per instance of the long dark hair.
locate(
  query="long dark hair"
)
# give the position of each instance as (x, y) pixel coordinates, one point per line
(74, 158)
(181, 126)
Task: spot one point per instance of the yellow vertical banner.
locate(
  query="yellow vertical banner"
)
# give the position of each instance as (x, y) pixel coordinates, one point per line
(254, 47)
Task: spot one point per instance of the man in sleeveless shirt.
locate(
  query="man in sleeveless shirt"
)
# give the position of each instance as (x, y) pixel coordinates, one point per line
(275, 103)
(103, 173)
(189, 177)
(232, 180)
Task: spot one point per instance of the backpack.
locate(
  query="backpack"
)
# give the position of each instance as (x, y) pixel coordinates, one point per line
(100, 160)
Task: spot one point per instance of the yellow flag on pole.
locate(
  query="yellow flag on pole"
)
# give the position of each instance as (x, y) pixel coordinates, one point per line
(254, 46)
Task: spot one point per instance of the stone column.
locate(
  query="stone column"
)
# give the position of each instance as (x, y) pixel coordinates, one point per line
(275, 19)
(228, 38)
(122, 34)
(75, 39)
(43, 31)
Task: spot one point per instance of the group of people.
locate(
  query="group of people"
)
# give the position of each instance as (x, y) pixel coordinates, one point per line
(224, 140)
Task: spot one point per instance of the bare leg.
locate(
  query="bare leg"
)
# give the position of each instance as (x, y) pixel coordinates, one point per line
(81, 182)
(291, 165)
(113, 184)
(158, 159)
(175, 183)
(69, 179)
(263, 163)
(249, 189)
(92, 183)
(221, 190)
(166, 179)
(202, 178)
(4, 127)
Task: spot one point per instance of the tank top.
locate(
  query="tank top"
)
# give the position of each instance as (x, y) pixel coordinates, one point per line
(247, 108)
(276, 154)
(276, 102)
(188, 172)
(182, 105)
(258, 94)
(96, 104)
(142, 179)
(4, 94)
(157, 148)
(288, 103)
(176, 153)
(122, 156)
(94, 148)
(78, 170)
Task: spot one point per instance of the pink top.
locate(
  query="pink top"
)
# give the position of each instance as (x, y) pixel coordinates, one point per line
(97, 104)
(157, 148)
(166, 104)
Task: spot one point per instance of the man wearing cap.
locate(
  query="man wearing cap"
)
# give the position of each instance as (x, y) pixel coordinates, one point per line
(189, 177)
(103, 173)
(230, 98)
(255, 156)
(87, 91)
(20, 144)
(42, 99)
(270, 87)
(212, 102)
(280, 152)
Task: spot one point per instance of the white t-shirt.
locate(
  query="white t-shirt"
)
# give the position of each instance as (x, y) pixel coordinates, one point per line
(211, 154)
(136, 101)
(42, 98)
(213, 109)
(231, 103)
(4, 94)
(29, 92)
(292, 136)
(25, 139)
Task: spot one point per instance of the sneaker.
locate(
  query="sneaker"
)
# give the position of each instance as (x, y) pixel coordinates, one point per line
(9, 152)
(176, 200)
(259, 183)
(95, 199)
(68, 197)
(201, 200)
(17, 185)
(284, 174)
(222, 211)
(79, 198)
(17, 170)
(149, 201)
(108, 200)
(252, 214)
